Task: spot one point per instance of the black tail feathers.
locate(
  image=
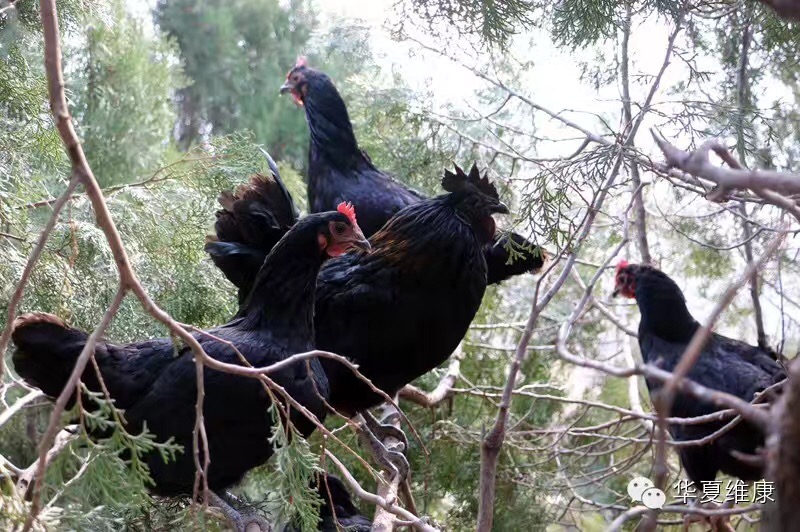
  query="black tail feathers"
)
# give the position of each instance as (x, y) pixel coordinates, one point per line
(252, 220)
(46, 350)
(502, 263)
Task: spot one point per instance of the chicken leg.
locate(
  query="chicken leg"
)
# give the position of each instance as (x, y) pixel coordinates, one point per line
(372, 433)
(242, 521)
(384, 429)
(718, 523)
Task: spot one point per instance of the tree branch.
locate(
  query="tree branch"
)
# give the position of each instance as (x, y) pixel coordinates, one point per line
(443, 390)
(770, 185)
(19, 290)
(371, 498)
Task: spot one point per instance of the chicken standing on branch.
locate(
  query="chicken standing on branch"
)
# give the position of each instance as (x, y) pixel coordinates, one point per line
(339, 171)
(401, 310)
(727, 365)
(155, 382)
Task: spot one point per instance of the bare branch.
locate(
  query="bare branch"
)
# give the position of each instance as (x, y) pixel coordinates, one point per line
(389, 487)
(490, 449)
(771, 185)
(19, 290)
(443, 390)
(371, 498)
(62, 440)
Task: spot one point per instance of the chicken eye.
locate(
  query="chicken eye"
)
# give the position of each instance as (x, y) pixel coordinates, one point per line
(339, 229)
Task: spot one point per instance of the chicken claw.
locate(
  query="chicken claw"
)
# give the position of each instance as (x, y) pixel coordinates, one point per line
(718, 523)
(242, 521)
(384, 429)
(390, 457)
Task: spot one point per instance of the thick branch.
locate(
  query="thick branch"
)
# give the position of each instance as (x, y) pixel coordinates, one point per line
(61, 442)
(771, 185)
(371, 498)
(443, 390)
(389, 485)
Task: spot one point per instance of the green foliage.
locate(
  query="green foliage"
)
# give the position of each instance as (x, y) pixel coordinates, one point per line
(581, 22)
(492, 21)
(122, 97)
(293, 467)
(28, 142)
(237, 55)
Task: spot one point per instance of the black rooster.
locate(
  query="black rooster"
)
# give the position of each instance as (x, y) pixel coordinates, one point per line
(401, 310)
(155, 383)
(728, 365)
(339, 171)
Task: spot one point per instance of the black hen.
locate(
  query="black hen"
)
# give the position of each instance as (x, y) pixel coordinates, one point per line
(155, 382)
(339, 171)
(402, 309)
(728, 365)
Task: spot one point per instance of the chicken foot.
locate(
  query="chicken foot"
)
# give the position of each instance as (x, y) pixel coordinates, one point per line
(242, 521)
(371, 432)
(385, 429)
(718, 523)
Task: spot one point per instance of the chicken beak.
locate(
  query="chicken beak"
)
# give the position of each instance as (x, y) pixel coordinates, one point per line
(286, 87)
(501, 208)
(359, 241)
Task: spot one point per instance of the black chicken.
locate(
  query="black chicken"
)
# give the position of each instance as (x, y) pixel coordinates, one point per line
(728, 365)
(155, 383)
(401, 310)
(339, 171)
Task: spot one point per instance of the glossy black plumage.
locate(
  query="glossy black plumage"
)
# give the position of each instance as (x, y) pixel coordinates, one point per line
(339, 171)
(250, 223)
(401, 310)
(728, 365)
(155, 382)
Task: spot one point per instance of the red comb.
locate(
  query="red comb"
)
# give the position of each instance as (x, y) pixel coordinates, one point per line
(622, 264)
(301, 61)
(348, 210)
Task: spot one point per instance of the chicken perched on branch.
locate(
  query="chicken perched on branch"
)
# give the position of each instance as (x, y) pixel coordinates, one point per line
(155, 382)
(339, 171)
(401, 310)
(728, 365)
